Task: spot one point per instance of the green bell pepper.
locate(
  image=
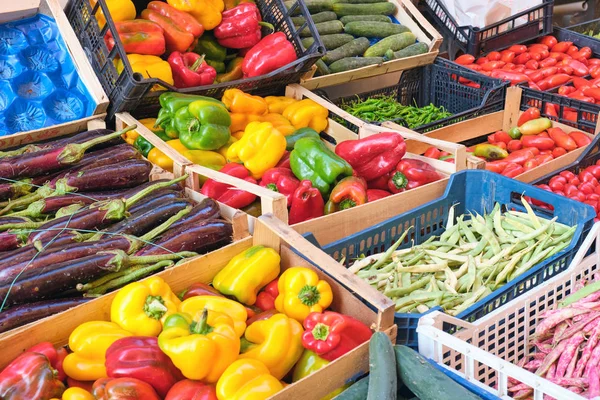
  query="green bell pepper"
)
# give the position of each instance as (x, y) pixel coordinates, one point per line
(299, 134)
(203, 125)
(219, 66)
(212, 50)
(170, 103)
(145, 146)
(312, 160)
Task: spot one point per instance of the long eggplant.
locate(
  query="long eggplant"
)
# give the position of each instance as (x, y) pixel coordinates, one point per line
(154, 199)
(200, 237)
(175, 184)
(22, 187)
(206, 209)
(21, 315)
(52, 159)
(9, 241)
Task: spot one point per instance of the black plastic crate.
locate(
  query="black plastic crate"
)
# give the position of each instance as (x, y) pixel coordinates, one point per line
(584, 27)
(438, 84)
(128, 91)
(475, 41)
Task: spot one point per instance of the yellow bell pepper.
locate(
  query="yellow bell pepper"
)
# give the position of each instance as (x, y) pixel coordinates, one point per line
(210, 159)
(233, 309)
(223, 150)
(89, 342)
(302, 292)
(247, 380)
(279, 122)
(307, 113)
(279, 103)
(261, 148)
(239, 121)
(120, 10)
(142, 307)
(149, 67)
(247, 273)
(76, 393)
(237, 101)
(130, 136)
(277, 342)
(203, 347)
(207, 12)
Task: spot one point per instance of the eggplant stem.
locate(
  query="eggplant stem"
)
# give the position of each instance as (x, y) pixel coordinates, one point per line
(137, 260)
(146, 191)
(165, 225)
(74, 152)
(127, 276)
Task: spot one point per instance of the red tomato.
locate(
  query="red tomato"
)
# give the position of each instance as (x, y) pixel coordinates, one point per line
(548, 62)
(572, 50)
(538, 142)
(566, 90)
(586, 176)
(586, 188)
(507, 56)
(545, 187)
(570, 189)
(561, 47)
(549, 41)
(502, 145)
(558, 178)
(514, 145)
(595, 170)
(597, 190)
(557, 186)
(565, 69)
(594, 196)
(575, 181)
(533, 65)
(494, 56)
(518, 48)
(513, 171)
(593, 61)
(465, 59)
(558, 151)
(481, 60)
(492, 65)
(522, 58)
(579, 69)
(496, 166)
(502, 136)
(567, 175)
(530, 164)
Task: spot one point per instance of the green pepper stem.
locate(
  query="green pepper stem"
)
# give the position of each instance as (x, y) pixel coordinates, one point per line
(273, 187)
(201, 326)
(309, 295)
(197, 63)
(154, 307)
(346, 204)
(320, 331)
(399, 180)
(267, 25)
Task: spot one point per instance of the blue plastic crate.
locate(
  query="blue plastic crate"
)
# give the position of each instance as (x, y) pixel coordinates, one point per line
(474, 191)
(484, 394)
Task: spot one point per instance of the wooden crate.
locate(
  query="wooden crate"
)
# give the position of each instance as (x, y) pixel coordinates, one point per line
(11, 10)
(504, 120)
(275, 203)
(407, 14)
(271, 232)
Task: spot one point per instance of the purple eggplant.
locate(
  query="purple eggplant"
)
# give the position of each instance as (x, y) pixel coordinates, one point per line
(9, 241)
(206, 209)
(154, 199)
(21, 315)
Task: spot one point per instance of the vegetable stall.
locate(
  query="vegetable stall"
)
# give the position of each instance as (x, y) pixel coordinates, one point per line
(223, 199)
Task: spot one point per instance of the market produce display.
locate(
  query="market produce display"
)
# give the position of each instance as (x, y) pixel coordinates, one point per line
(39, 84)
(275, 143)
(259, 326)
(192, 44)
(475, 255)
(357, 34)
(81, 216)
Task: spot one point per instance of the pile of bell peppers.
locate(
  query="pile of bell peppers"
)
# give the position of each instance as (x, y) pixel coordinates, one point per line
(191, 43)
(532, 143)
(256, 329)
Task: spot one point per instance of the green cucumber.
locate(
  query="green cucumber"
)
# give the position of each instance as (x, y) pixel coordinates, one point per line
(373, 29)
(358, 390)
(377, 18)
(384, 8)
(394, 42)
(424, 380)
(330, 42)
(349, 63)
(354, 48)
(322, 67)
(412, 50)
(314, 6)
(319, 17)
(325, 28)
(383, 381)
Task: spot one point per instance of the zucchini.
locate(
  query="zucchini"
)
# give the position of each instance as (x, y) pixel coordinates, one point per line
(384, 8)
(349, 63)
(394, 43)
(352, 18)
(325, 28)
(330, 42)
(372, 29)
(354, 48)
(314, 6)
(357, 391)
(383, 381)
(319, 17)
(412, 50)
(426, 381)
(322, 67)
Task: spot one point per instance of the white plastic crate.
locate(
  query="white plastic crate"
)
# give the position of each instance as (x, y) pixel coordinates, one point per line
(487, 351)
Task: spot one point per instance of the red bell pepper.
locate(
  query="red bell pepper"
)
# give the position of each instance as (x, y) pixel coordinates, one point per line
(281, 180)
(373, 156)
(140, 357)
(184, 20)
(379, 183)
(190, 70)
(188, 389)
(528, 115)
(56, 357)
(307, 203)
(85, 385)
(376, 194)
(138, 37)
(225, 193)
(199, 289)
(240, 27)
(331, 335)
(266, 297)
(349, 192)
(432, 152)
(30, 376)
(123, 389)
(411, 173)
(272, 52)
(176, 37)
(285, 161)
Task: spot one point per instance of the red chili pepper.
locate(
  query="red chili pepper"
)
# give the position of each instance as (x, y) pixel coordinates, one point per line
(528, 115)
(190, 70)
(558, 151)
(538, 142)
(522, 58)
(513, 77)
(29, 376)
(265, 300)
(579, 69)
(225, 193)
(561, 47)
(188, 389)
(512, 170)
(518, 48)
(549, 40)
(465, 59)
(272, 52)
(307, 203)
(281, 180)
(240, 27)
(532, 64)
(139, 37)
(581, 139)
(376, 194)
